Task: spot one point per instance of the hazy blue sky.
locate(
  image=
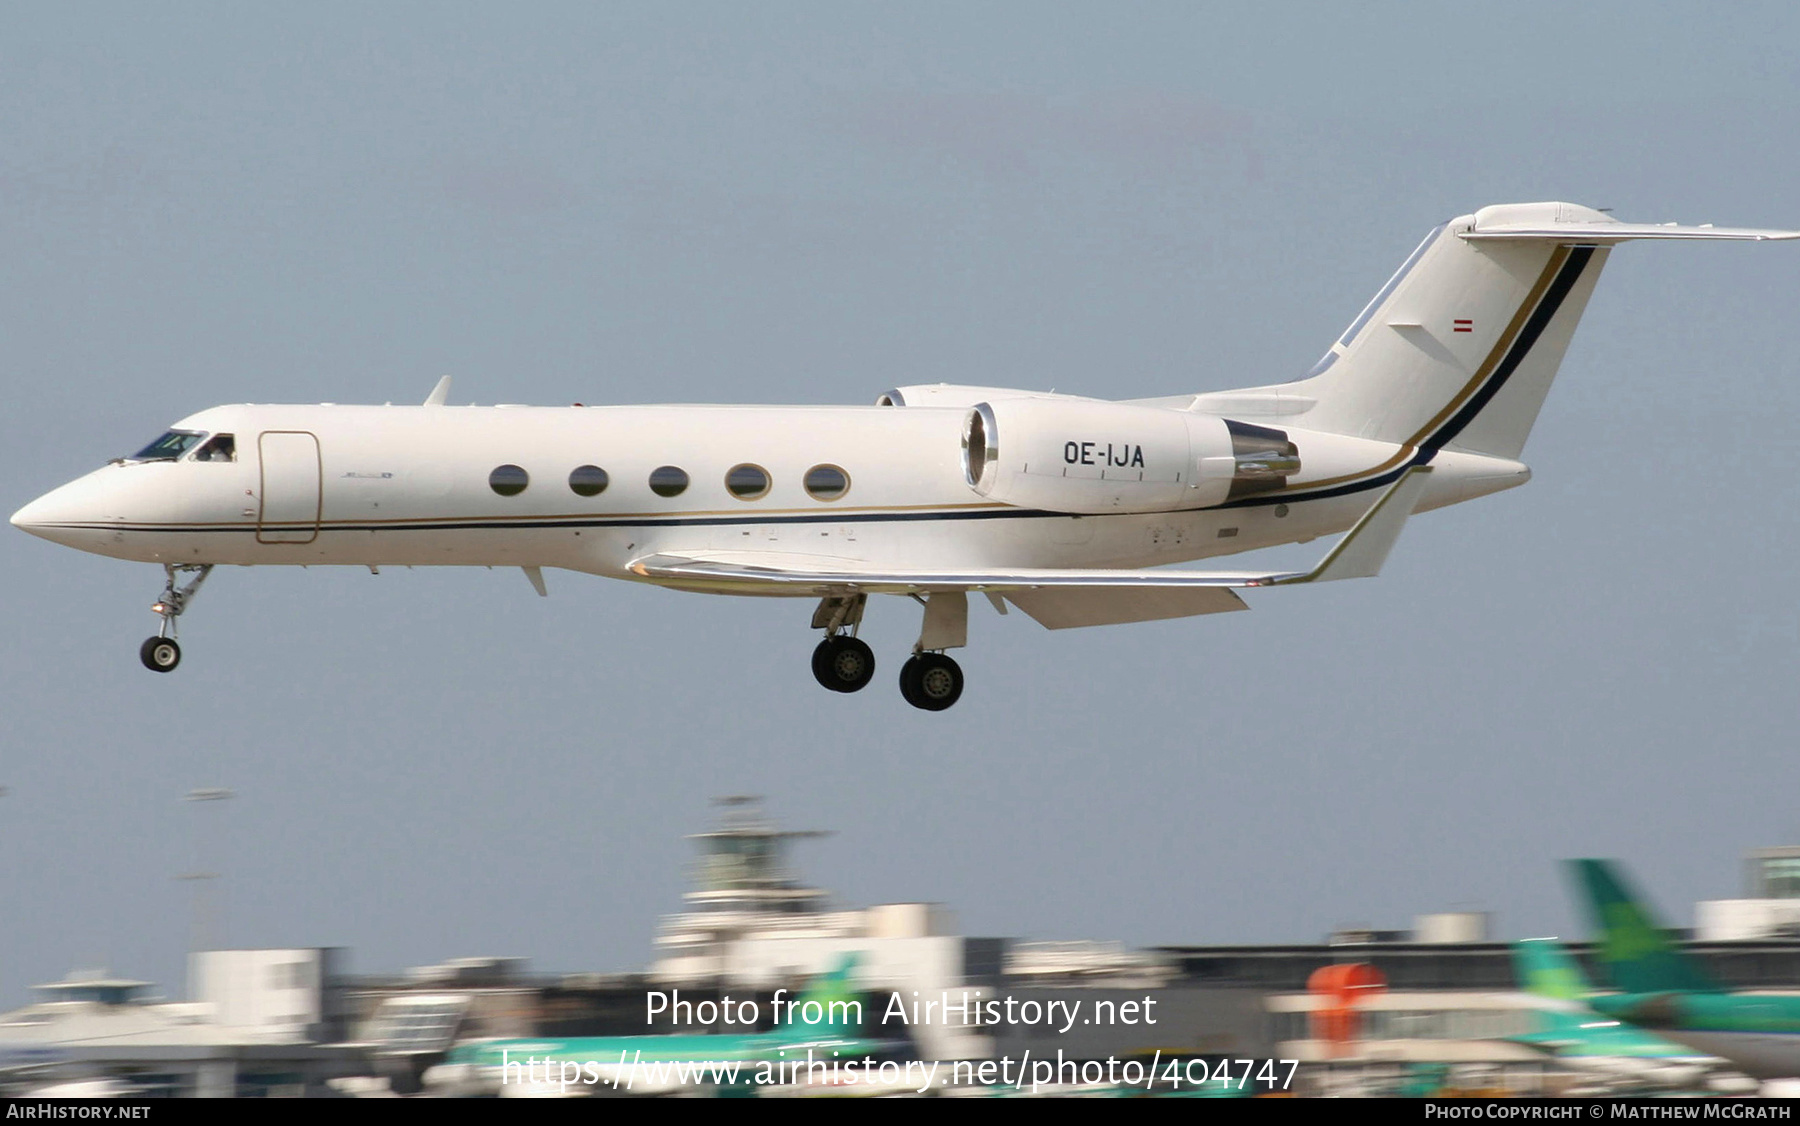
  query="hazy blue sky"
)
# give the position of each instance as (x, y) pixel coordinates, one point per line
(813, 203)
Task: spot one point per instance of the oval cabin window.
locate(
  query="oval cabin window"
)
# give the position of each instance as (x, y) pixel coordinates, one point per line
(668, 481)
(826, 482)
(587, 481)
(747, 482)
(508, 480)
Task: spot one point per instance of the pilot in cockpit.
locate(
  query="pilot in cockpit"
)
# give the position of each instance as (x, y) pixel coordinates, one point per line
(221, 448)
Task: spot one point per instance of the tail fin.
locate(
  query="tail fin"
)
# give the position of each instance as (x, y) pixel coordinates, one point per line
(1459, 348)
(1638, 954)
(831, 1004)
(1545, 969)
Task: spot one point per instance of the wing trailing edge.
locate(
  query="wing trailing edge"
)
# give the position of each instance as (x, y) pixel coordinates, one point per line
(1058, 597)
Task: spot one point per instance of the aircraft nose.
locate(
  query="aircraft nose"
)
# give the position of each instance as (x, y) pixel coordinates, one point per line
(33, 517)
(68, 514)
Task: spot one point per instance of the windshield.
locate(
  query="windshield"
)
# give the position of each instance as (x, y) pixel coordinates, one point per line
(170, 446)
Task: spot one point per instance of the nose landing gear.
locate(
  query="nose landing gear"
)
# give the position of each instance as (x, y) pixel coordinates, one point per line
(162, 653)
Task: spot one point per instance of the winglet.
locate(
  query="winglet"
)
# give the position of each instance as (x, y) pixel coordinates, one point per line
(439, 393)
(1365, 547)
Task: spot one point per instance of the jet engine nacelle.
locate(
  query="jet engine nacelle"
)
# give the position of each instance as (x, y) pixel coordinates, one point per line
(1087, 456)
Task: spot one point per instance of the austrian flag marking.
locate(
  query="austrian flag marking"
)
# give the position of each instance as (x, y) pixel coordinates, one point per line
(1464, 326)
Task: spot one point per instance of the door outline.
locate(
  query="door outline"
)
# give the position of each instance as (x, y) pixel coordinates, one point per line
(285, 528)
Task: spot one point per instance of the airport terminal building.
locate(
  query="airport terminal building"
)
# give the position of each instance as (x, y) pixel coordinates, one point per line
(298, 1023)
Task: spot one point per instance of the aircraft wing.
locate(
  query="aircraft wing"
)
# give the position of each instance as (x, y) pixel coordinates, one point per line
(1057, 597)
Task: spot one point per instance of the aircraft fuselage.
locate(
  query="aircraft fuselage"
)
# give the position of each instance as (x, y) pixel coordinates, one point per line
(414, 486)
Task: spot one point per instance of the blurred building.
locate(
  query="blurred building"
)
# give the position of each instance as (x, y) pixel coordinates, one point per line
(257, 1027)
(294, 1022)
(750, 923)
(1771, 907)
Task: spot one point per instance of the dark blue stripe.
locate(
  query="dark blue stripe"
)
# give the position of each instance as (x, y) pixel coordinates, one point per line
(625, 522)
(1548, 306)
(1528, 336)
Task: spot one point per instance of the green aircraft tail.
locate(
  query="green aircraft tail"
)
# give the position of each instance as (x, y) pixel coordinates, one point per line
(1545, 968)
(830, 1003)
(1566, 1025)
(1639, 955)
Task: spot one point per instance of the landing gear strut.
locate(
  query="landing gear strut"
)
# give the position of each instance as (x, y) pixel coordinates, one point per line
(162, 653)
(842, 663)
(930, 680)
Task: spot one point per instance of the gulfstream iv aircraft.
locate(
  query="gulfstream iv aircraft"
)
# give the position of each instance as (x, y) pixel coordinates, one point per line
(1062, 506)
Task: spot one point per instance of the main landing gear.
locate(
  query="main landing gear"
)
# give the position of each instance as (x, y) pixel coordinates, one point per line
(929, 680)
(841, 662)
(162, 653)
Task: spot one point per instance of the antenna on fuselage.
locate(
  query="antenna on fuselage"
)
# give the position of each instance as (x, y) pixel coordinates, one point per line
(439, 393)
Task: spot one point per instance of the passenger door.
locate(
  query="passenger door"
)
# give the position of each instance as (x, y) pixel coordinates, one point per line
(290, 487)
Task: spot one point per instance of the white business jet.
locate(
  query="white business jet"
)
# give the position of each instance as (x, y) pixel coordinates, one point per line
(1062, 506)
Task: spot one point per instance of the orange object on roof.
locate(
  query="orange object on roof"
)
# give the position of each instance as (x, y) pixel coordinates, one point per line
(1341, 987)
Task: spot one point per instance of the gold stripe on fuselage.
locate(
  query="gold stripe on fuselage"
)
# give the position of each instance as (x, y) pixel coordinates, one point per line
(738, 514)
(1482, 374)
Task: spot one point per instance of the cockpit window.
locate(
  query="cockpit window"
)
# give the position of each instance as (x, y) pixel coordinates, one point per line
(170, 446)
(221, 447)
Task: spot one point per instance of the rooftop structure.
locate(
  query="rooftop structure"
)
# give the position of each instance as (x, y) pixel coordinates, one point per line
(254, 1029)
(744, 889)
(1771, 907)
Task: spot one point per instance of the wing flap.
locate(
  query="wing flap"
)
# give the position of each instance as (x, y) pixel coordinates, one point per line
(1359, 554)
(1072, 607)
(732, 570)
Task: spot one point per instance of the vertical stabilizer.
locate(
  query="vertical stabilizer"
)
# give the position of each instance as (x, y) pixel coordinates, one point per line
(1459, 348)
(831, 1004)
(1639, 955)
(1545, 969)
(1457, 351)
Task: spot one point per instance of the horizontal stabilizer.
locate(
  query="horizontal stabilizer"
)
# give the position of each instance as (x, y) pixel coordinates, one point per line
(1606, 232)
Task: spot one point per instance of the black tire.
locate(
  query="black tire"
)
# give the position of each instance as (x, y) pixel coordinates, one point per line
(160, 654)
(931, 681)
(843, 664)
(909, 682)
